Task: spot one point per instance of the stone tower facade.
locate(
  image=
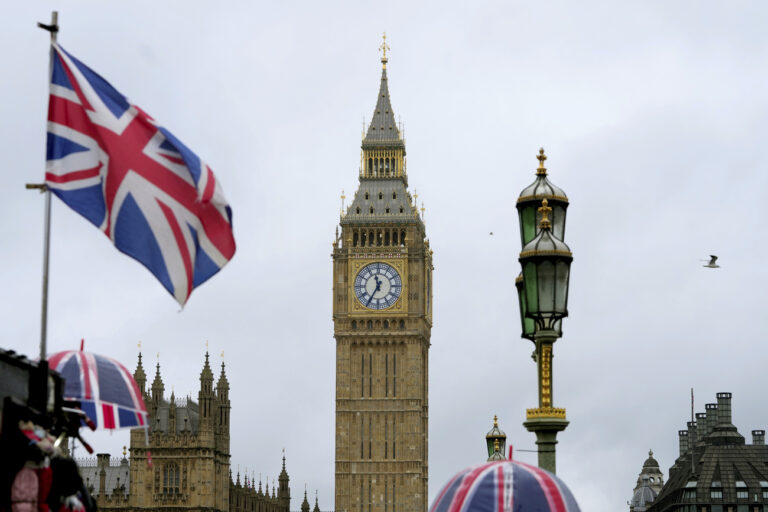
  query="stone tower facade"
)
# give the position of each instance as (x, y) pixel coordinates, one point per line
(189, 447)
(382, 313)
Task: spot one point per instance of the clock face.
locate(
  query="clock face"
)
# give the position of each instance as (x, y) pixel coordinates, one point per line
(378, 286)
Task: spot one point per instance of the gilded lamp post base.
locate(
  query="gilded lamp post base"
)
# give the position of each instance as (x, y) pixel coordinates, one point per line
(546, 423)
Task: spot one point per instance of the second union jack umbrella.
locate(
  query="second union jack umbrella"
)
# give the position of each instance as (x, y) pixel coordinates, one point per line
(107, 392)
(505, 486)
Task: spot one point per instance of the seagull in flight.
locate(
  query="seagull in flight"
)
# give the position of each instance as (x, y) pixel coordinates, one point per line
(712, 261)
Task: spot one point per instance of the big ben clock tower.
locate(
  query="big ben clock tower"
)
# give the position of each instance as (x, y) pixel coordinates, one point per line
(382, 315)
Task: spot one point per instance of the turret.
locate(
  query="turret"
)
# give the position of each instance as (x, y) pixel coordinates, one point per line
(140, 377)
(284, 492)
(206, 395)
(222, 393)
(317, 505)
(172, 414)
(305, 503)
(157, 392)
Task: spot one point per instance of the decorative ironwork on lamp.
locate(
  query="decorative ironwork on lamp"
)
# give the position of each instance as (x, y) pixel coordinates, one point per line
(529, 200)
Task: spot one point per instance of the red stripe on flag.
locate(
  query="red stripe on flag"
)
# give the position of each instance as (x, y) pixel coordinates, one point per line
(141, 418)
(210, 185)
(109, 415)
(73, 176)
(178, 235)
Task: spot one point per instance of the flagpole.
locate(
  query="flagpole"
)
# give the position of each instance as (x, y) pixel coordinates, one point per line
(53, 28)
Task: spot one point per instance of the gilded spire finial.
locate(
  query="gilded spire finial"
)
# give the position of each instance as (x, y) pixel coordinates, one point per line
(541, 157)
(383, 49)
(496, 444)
(124, 451)
(545, 210)
(495, 421)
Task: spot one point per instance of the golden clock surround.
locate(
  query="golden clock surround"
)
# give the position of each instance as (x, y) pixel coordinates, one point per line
(401, 304)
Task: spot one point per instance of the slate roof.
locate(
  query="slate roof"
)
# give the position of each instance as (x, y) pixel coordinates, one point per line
(722, 461)
(187, 417)
(117, 475)
(383, 131)
(383, 194)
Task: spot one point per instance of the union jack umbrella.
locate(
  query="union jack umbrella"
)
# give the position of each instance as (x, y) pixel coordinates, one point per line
(107, 392)
(133, 179)
(505, 486)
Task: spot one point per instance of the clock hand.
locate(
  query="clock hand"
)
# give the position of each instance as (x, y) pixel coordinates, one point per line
(378, 287)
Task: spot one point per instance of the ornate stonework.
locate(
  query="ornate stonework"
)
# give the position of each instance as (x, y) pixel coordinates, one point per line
(382, 325)
(185, 467)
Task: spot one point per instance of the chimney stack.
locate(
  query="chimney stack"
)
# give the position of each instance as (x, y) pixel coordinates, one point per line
(724, 408)
(701, 421)
(692, 438)
(711, 417)
(683, 437)
(758, 437)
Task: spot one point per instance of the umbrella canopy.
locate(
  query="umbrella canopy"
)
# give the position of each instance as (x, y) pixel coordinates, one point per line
(505, 486)
(106, 390)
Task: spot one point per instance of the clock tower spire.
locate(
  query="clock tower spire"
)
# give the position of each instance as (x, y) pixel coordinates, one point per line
(382, 313)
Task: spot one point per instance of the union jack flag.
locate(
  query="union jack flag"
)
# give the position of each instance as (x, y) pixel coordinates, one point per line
(113, 164)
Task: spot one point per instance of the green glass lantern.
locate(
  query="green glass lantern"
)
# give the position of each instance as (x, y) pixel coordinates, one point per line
(529, 325)
(546, 262)
(530, 199)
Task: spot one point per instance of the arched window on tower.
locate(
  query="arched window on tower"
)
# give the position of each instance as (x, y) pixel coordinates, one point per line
(171, 479)
(386, 167)
(362, 239)
(402, 238)
(370, 167)
(386, 238)
(354, 239)
(370, 238)
(394, 236)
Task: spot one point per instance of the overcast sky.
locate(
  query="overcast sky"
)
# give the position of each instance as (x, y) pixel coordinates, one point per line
(653, 115)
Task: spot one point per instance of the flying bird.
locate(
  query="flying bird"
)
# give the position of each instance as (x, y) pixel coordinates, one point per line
(491, 232)
(712, 261)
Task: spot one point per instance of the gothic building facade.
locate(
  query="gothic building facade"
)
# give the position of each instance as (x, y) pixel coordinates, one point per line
(382, 314)
(182, 464)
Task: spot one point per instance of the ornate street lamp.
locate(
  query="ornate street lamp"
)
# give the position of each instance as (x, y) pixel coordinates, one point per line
(546, 262)
(543, 298)
(496, 440)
